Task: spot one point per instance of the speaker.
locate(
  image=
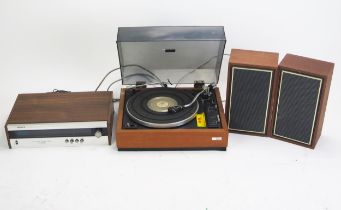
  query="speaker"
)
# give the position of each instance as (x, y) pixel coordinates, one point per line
(249, 91)
(301, 98)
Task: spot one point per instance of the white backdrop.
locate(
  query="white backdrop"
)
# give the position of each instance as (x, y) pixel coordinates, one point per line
(70, 44)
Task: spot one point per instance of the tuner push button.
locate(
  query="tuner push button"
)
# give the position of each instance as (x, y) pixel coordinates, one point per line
(81, 141)
(71, 141)
(98, 134)
(66, 140)
(76, 140)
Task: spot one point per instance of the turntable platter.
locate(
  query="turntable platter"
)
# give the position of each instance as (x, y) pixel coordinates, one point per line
(149, 107)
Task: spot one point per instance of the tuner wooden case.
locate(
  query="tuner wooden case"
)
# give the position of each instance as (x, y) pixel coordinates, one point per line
(60, 119)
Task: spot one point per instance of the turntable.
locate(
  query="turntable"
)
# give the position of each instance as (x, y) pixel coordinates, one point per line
(169, 117)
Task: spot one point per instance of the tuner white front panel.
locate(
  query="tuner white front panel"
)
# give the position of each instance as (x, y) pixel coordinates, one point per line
(63, 125)
(58, 141)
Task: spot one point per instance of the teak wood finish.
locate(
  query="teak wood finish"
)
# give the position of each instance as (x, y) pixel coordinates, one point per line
(308, 67)
(257, 60)
(62, 107)
(170, 139)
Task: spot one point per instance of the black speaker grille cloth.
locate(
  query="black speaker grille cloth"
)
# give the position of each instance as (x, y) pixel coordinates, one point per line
(249, 100)
(296, 107)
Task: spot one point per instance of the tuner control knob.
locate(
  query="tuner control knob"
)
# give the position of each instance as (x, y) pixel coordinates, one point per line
(98, 134)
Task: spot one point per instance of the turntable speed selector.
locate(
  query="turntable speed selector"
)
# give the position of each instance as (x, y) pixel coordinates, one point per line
(98, 134)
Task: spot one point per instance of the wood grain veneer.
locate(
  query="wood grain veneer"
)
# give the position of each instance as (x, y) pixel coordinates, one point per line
(254, 60)
(63, 107)
(309, 67)
(172, 139)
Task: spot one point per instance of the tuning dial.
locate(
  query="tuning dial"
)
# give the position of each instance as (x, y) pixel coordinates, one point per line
(98, 134)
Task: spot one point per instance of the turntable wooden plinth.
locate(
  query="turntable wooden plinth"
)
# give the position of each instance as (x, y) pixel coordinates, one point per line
(171, 138)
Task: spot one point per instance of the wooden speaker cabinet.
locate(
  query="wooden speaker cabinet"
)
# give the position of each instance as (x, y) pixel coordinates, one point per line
(249, 91)
(301, 98)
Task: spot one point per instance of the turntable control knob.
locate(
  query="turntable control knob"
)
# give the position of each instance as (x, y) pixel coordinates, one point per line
(98, 134)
